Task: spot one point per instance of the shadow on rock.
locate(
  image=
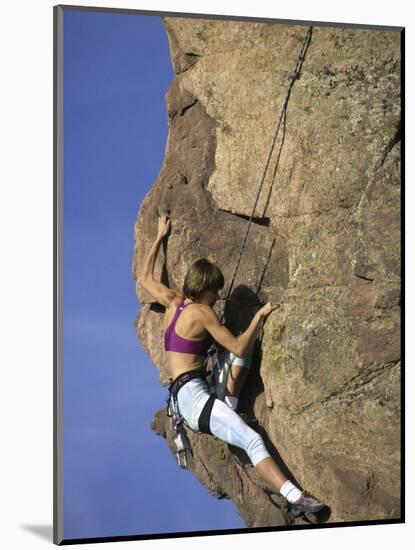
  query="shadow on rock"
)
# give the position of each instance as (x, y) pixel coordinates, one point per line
(242, 306)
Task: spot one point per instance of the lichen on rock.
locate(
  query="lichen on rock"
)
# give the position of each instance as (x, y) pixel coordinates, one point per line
(325, 243)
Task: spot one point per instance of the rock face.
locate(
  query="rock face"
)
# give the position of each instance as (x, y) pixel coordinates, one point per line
(325, 243)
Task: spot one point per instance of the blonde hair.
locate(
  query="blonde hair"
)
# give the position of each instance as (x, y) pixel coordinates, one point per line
(202, 275)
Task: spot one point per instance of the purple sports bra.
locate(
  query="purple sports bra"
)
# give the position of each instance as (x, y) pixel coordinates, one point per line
(174, 342)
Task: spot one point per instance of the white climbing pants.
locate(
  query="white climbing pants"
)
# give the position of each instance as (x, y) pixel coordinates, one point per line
(225, 423)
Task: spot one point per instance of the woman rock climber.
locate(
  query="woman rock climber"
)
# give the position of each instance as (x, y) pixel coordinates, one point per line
(190, 326)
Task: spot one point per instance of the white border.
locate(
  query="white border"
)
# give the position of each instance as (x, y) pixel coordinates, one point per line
(27, 267)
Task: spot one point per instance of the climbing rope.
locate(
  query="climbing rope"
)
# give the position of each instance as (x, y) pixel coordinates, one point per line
(181, 441)
(293, 77)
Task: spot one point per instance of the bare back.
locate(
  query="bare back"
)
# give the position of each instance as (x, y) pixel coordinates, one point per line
(190, 326)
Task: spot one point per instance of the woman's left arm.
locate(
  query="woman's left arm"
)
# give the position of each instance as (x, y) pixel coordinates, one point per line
(160, 292)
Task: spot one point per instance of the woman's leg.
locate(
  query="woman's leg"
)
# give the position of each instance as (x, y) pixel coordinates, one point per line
(235, 370)
(236, 379)
(269, 472)
(228, 426)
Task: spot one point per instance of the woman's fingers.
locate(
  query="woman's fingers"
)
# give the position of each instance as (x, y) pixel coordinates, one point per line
(163, 224)
(268, 307)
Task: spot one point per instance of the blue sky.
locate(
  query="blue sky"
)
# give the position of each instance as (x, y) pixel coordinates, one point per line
(119, 477)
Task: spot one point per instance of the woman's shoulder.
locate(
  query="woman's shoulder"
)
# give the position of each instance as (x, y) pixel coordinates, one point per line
(203, 311)
(199, 309)
(196, 308)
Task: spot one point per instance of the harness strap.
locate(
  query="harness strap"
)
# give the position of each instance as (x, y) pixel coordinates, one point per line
(204, 418)
(182, 379)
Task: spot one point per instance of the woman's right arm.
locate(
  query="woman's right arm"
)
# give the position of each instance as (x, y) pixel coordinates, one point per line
(160, 292)
(237, 345)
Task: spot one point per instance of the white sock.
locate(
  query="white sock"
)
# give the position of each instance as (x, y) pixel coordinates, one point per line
(290, 491)
(232, 401)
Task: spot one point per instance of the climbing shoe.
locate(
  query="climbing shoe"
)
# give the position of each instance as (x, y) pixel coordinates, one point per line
(310, 509)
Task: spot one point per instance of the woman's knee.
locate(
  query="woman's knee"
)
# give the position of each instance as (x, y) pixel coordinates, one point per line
(244, 361)
(230, 427)
(256, 449)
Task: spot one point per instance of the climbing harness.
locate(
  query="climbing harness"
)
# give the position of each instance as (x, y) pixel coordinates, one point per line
(178, 423)
(217, 378)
